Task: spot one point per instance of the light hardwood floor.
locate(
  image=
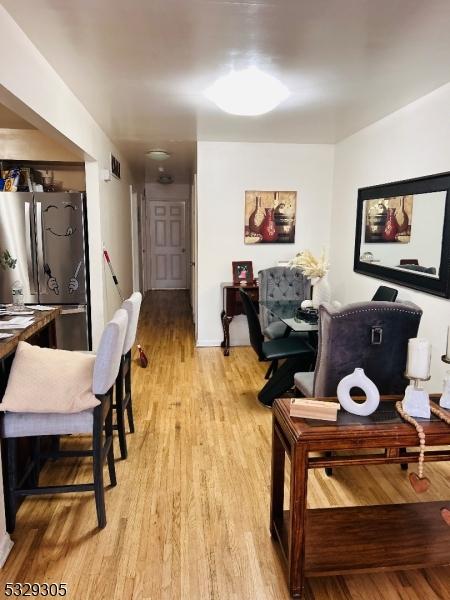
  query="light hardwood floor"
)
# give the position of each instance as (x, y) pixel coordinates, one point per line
(189, 517)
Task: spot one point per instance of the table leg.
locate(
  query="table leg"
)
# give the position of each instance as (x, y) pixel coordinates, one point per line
(51, 333)
(226, 320)
(297, 519)
(277, 481)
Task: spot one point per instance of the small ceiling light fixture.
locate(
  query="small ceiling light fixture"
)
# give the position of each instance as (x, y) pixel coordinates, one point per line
(249, 92)
(158, 154)
(165, 178)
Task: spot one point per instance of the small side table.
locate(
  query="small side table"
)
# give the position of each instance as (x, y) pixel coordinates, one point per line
(232, 306)
(342, 540)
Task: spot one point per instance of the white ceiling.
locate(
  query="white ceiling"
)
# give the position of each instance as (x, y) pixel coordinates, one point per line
(140, 66)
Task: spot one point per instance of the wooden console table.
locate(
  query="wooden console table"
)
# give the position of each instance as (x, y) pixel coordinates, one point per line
(332, 541)
(232, 306)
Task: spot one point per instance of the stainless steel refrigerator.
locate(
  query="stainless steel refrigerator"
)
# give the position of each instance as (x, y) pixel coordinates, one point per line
(46, 234)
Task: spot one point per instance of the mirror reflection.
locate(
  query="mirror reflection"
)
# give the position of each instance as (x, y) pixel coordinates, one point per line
(404, 232)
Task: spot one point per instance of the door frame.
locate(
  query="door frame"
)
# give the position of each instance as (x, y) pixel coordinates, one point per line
(148, 238)
(194, 254)
(135, 251)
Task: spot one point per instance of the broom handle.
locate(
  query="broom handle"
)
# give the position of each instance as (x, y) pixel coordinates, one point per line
(108, 260)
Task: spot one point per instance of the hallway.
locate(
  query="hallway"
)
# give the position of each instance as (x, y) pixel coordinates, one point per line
(189, 517)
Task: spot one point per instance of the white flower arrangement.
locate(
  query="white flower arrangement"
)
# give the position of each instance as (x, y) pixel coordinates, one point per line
(312, 267)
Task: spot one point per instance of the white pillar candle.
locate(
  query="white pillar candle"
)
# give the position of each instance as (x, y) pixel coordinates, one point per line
(419, 359)
(447, 354)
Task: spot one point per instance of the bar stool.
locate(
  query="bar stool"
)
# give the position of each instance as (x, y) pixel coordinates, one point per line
(123, 382)
(95, 421)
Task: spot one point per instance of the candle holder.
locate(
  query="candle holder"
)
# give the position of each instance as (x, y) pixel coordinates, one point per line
(444, 402)
(416, 402)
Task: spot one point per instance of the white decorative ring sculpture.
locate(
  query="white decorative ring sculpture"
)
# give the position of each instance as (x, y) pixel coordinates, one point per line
(358, 379)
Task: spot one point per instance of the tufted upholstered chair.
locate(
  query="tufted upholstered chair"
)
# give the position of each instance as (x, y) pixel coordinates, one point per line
(280, 283)
(97, 422)
(371, 335)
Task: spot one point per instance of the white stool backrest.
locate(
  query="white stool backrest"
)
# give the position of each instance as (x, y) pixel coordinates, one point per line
(132, 305)
(107, 360)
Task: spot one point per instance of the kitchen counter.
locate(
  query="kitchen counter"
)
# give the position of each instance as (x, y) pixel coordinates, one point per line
(43, 320)
(42, 332)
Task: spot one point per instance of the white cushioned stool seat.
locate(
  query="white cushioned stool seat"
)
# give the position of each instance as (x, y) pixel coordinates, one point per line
(35, 424)
(305, 383)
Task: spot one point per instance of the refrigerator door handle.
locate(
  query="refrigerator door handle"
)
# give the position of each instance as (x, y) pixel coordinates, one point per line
(73, 310)
(40, 249)
(31, 264)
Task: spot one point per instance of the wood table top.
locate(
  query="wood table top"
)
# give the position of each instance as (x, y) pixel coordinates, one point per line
(41, 319)
(353, 430)
(250, 285)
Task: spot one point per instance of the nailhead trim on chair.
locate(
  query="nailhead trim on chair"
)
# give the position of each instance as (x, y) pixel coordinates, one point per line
(355, 312)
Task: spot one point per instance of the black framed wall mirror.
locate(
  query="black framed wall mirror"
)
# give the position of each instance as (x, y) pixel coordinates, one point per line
(403, 233)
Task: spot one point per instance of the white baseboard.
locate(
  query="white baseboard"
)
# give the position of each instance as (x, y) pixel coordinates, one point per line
(213, 343)
(6, 544)
(208, 343)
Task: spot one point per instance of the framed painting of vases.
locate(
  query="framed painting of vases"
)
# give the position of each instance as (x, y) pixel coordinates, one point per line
(270, 217)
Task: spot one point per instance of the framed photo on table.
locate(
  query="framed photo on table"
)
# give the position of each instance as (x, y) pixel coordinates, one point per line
(242, 271)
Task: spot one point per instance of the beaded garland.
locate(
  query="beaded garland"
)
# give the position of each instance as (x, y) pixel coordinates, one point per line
(421, 434)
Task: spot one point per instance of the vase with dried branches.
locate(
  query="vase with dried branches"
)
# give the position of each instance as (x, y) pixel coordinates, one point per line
(316, 270)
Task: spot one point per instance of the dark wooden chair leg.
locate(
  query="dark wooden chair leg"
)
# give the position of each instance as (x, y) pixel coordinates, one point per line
(130, 416)
(121, 432)
(11, 483)
(110, 455)
(54, 446)
(36, 451)
(128, 392)
(329, 470)
(97, 447)
(120, 411)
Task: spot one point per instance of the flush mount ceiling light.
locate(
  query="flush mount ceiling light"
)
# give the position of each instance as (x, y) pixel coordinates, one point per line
(247, 93)
(165, 178)
(158, 154)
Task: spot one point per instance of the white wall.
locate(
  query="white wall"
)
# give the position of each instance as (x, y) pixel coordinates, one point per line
(32, 89)
(171, 191)
(411, 142)
(225, 172)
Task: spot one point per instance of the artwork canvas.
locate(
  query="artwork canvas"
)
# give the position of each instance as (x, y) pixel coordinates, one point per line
(388, 220)
(242, 271)
(270, 217)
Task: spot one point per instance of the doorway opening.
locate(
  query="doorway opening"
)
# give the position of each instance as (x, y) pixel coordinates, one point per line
(166, 238)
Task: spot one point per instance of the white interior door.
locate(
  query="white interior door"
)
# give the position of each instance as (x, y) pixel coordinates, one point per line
(168, 245)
